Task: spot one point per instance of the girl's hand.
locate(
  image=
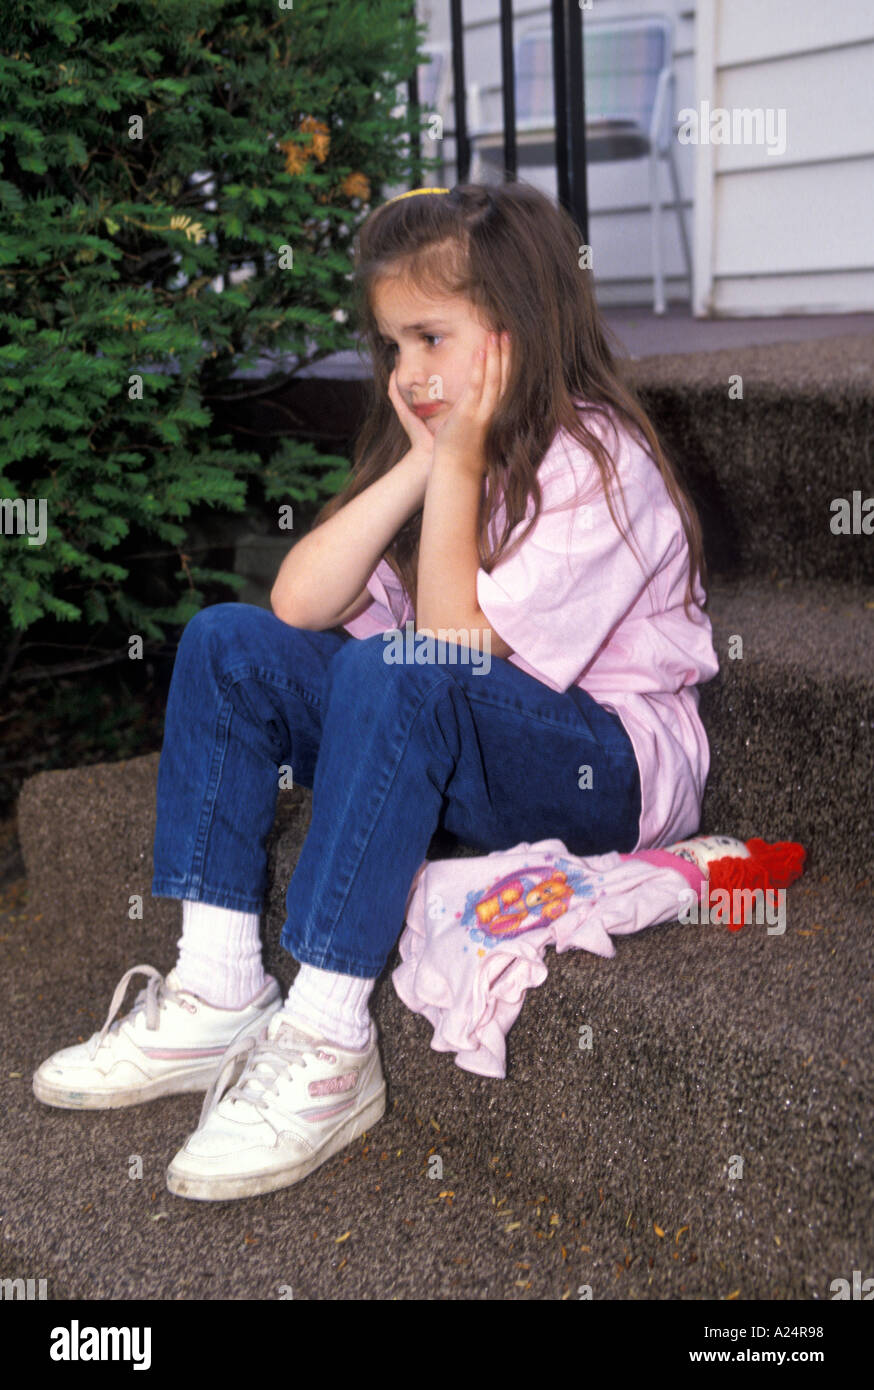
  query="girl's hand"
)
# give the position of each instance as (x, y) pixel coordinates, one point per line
(420, 437)
(462, 434)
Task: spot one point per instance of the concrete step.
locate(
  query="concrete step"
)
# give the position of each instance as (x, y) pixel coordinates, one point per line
(790, 718)
(688, 1071)
(766, 469)
(552, 1180)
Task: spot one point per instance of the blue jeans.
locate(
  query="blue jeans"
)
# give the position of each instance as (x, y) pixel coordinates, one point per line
(394, 754)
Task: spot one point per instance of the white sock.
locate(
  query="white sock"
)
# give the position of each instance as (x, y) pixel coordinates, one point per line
(220, 954)
(335, 1003)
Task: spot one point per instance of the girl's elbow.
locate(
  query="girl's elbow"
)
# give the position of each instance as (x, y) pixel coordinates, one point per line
(284, 609)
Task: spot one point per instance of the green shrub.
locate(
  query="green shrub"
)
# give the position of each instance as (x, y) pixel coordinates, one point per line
(113, 337)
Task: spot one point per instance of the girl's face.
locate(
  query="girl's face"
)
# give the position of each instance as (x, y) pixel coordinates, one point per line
(434, 342)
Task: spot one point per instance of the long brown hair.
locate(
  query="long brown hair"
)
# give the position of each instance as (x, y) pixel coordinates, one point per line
(515, 254)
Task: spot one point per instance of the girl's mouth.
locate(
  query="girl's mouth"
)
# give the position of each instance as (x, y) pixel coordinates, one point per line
(423, 411)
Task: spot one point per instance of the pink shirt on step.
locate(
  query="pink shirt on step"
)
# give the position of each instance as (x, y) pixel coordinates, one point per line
(478, 927)
(576, 608)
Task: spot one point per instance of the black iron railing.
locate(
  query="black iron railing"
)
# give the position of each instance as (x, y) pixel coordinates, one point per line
(570, 122)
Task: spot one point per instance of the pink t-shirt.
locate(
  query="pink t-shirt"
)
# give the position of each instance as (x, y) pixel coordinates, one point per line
(477, 929)
(577, 609)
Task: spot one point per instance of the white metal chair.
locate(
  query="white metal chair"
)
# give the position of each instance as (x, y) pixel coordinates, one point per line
(629, 95)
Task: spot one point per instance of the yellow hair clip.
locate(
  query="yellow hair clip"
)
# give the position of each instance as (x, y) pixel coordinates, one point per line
(413, 192)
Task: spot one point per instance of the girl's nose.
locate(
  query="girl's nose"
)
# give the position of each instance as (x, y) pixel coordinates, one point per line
(405, 362)
(412, 367)
(412, 382)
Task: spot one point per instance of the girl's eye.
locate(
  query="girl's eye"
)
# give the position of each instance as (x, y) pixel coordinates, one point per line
(391, 347)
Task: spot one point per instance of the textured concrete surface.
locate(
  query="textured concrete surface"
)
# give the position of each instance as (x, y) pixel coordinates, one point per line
(841, 364)
(764, 470)
(707, 1046)
(554, 1177)
(790, 719)
(645, 334)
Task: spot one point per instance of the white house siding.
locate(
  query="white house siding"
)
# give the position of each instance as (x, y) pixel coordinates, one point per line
(788, 233)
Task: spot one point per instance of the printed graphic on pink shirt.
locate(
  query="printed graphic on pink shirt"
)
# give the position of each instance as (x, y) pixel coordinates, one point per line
(522, 901)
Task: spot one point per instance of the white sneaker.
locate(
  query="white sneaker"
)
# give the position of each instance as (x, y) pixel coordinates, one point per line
(171, 1041)
(299, 1100)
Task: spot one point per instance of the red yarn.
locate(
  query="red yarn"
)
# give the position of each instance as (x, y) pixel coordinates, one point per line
(769, 867)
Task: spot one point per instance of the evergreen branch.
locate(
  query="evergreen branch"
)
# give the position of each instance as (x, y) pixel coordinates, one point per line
(69, 668)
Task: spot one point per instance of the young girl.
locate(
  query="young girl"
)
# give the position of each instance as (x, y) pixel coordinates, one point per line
(482, 506)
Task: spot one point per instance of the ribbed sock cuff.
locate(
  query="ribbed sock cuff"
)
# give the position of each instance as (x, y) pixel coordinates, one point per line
(336, 1003)
(220, 954)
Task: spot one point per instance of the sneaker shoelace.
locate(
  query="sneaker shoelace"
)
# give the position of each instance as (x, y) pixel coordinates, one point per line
(287, 1049)
(151, 998)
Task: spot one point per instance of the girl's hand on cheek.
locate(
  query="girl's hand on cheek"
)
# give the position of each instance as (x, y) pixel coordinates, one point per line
(420, 437)
(462, 434)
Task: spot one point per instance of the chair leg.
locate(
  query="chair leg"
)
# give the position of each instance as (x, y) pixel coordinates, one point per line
(678, 204)
(655, 223)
